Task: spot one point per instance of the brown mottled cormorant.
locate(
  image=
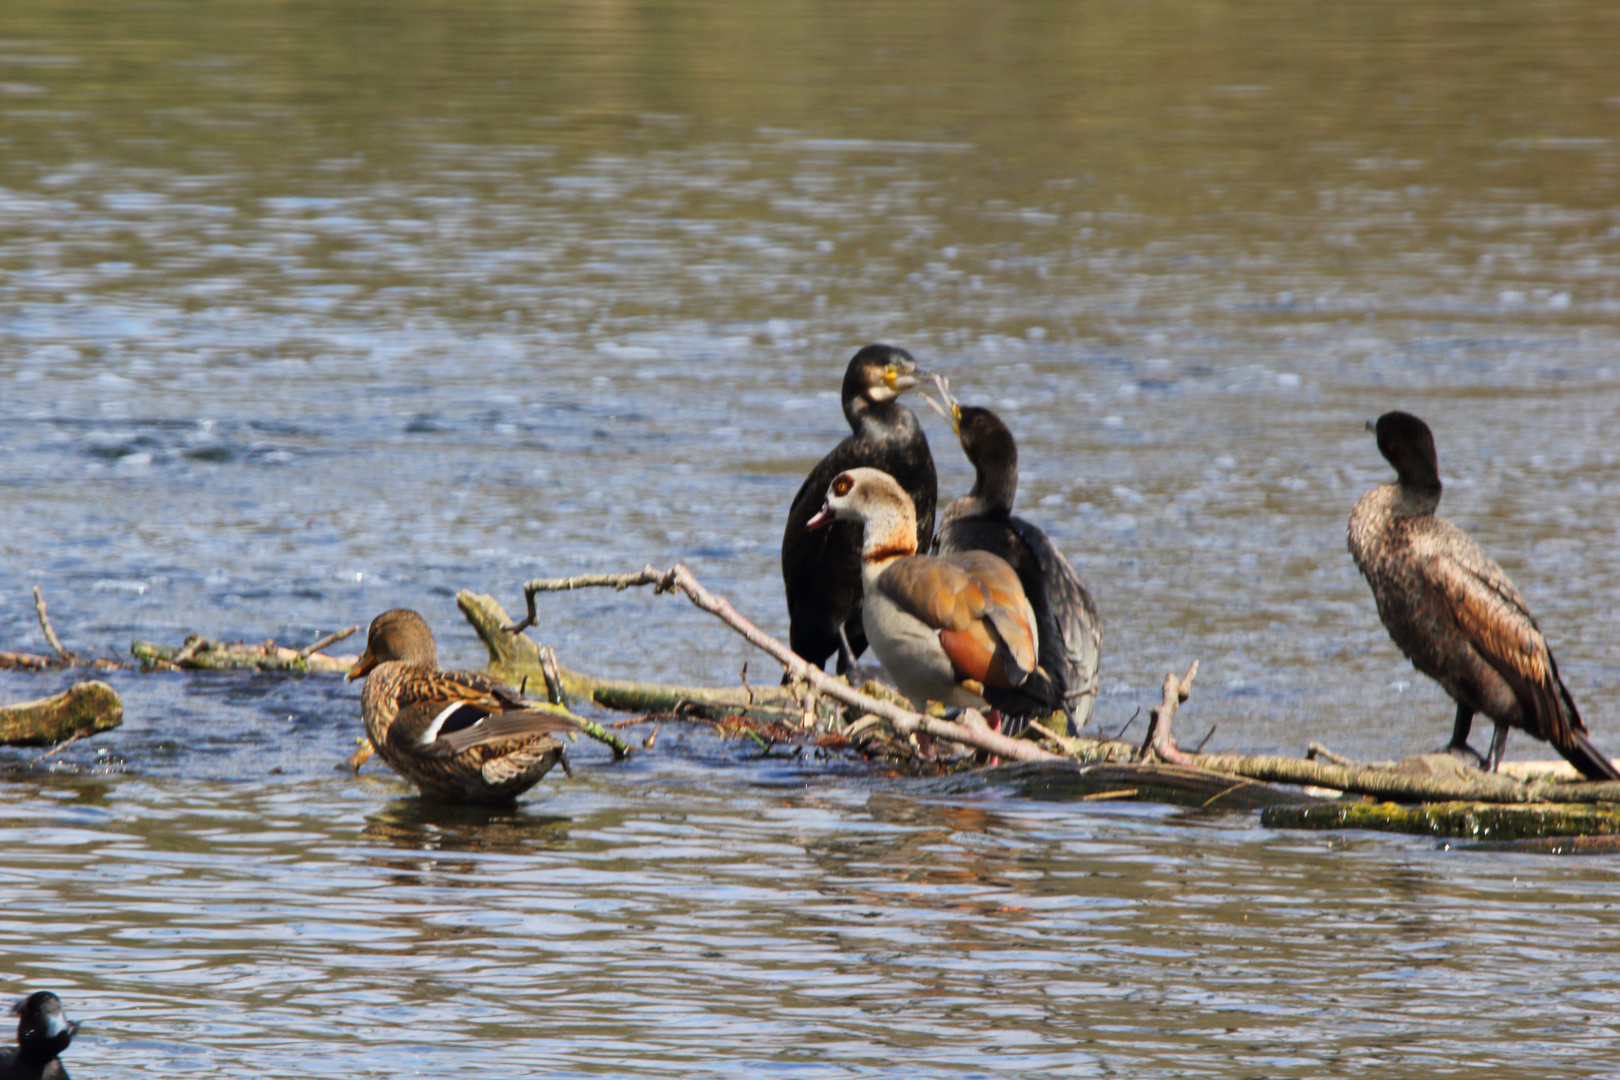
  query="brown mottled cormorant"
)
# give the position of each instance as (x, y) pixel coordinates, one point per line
(1066, 617)
(948, 628)
(822, 568)
(1455, 614)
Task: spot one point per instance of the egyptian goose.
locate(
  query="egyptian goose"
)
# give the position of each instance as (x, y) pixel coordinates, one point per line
(1454, 613)
(1066, 619)
(947, 628)
(43, 1032)
(821, 569)
(459, 736)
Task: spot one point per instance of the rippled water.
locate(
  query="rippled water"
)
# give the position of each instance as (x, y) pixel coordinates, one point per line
(310, 311)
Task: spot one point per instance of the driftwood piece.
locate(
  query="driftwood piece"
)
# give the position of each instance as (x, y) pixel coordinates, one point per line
(205, 654)
(82, 709)
(514, 658)
(1149, 781)
(973, 732)
(1160, 743)
(1470, 820)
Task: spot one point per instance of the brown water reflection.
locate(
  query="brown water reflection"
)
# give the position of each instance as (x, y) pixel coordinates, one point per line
(311, 310)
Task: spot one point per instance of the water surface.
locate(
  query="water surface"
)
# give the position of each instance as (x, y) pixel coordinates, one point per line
(309, 311)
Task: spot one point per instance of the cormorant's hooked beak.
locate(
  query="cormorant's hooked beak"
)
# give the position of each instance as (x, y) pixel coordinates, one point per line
(823, 518)
(952, 409)
(361, 666)
(898, 377)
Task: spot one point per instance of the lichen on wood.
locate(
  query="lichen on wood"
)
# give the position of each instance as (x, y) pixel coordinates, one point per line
(1469, 820)
(84, 708)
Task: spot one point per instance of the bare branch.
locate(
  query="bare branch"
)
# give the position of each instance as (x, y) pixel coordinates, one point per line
(51, 639)
(321, 643)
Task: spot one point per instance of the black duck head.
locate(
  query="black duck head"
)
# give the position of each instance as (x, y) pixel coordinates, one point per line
(876, 374)
(400, 634)
(43, 1029)
(1407, 443)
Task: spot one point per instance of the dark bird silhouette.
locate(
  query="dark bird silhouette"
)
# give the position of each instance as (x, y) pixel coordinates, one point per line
(821, 568)
(43, 1032)
(1070, 630)
(1454, 613)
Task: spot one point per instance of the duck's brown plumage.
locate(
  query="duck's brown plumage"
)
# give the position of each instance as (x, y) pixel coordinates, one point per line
(1065, 615)
(457, 735)
(1454, 613)
(821, 569)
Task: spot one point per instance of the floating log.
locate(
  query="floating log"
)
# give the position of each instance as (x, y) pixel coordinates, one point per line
(1469, 820)
(1157, 782)
(82, 709)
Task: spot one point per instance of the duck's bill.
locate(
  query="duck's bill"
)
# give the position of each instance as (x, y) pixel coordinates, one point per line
(361, 666)
(823, 517)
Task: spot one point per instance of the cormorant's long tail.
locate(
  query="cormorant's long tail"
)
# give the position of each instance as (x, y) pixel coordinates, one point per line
(1591, 762)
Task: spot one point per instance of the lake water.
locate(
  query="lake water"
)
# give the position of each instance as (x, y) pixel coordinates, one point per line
(308, 311)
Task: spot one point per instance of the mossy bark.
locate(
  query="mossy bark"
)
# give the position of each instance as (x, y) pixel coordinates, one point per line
(82, 709)
(515, 659)
(1467, 820)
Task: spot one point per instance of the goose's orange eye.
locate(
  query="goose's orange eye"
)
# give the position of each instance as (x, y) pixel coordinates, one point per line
(842, 485)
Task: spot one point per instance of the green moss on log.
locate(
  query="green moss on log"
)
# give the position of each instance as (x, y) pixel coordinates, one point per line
(81, 709)
(1463, 820)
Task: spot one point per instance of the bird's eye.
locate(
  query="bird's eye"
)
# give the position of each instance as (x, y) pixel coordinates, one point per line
(842, 485)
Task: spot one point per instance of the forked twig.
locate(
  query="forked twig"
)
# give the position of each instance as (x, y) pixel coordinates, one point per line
(1159, 742)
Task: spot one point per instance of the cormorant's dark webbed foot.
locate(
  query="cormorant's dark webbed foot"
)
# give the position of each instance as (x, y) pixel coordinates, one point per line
(1466, 754)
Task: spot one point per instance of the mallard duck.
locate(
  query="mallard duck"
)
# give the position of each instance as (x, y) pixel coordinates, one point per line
(459, 736)
(947, 628)
(1065, 616)
(43, 1032)
(1455, 614)
(822, 569)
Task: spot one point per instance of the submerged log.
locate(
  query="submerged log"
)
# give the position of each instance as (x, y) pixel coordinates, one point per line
(1469, 820)
(82, 709)
(1147, 781)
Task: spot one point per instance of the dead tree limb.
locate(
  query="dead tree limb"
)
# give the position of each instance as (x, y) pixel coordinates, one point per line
(84, 708)
(320, 643)
(51, 639)
(1160, 743)
(904, 721)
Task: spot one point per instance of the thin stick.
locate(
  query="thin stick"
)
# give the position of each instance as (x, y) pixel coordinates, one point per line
(1317, 750)
(59, 747)
(904, 721)
(45, 625)
(583, 581)
(321, 643)
(553, 677)
(1199, 749)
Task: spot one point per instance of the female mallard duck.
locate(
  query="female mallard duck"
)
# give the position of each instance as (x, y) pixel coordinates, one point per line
(457, 735)
(43, 1032)
(822, 569)
(1065, 615)
(947, 628)
(1455, 614)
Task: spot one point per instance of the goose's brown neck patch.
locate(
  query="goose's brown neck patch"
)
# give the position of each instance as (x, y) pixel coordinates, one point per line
(891, 551)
